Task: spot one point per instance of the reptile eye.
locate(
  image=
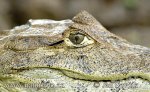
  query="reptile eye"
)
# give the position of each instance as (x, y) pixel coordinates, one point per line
(76, 38)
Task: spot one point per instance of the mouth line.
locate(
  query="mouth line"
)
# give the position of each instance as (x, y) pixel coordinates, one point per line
(85, 77)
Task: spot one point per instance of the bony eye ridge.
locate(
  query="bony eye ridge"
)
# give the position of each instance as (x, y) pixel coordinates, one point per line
(76, 38)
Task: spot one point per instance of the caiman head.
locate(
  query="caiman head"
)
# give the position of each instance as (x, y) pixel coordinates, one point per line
(80, 48)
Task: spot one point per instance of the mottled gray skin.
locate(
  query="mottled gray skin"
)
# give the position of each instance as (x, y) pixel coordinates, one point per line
(40, 57)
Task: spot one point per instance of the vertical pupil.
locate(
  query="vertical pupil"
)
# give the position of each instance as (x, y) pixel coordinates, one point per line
(76, 38)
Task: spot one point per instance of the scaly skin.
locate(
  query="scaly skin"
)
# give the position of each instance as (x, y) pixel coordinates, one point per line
(43, 53)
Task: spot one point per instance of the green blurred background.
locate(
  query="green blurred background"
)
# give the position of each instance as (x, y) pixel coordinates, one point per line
(128, 18)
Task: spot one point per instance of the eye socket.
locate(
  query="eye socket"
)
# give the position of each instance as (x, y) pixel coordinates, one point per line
(76, 38)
